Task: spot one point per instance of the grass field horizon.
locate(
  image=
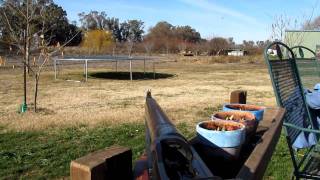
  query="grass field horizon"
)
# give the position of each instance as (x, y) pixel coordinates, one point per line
(86, 116)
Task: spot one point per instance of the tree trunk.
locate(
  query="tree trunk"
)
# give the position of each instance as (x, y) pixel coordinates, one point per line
(25, 68)
(27, 40)
(27, 53)
(25, 84)
(130, 47)
(36, 91)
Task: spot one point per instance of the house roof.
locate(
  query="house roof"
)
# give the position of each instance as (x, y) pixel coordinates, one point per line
(235, 50)
(287, 30)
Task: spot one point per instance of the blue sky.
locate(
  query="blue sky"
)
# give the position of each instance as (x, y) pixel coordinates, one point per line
(240, 19)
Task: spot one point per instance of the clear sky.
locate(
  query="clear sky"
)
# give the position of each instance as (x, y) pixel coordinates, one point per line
(240, 19)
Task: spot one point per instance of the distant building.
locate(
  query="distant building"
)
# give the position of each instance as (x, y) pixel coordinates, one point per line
(236, 52)
(187, 53)
(307, 38)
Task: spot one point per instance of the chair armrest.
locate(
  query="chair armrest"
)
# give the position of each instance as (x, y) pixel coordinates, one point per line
(300, 128)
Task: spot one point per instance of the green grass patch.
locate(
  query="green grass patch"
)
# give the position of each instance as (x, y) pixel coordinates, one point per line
(209, 110)
(47, 154)
(280, 167)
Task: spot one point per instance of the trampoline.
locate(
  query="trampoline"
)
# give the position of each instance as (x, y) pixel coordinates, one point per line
(115, 59)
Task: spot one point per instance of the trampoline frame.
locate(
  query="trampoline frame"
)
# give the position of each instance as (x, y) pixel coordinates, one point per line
(87, 59)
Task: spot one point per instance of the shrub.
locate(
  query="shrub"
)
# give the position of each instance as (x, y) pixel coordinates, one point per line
(97, 41)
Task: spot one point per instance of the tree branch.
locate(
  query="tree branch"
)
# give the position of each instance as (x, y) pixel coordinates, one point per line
(63, 45)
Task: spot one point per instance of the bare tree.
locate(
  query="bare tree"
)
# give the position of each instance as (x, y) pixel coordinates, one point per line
(217, 45)
(27, 41)
(283, 23)
(198, 48)
(148, 45)
(134, 34)
(41, 62)
(20, 36)
(312, 25)
(182, 46)
(129, 45)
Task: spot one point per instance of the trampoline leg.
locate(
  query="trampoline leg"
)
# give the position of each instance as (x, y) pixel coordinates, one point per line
(154, 71)
(86, 70)
(130, 70)
(144, 67)
(116, 66)
(55, 69)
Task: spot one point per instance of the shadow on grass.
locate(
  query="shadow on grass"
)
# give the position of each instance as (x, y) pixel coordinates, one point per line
(126, 75)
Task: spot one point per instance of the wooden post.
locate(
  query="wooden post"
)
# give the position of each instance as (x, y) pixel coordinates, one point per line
(238, 97)
(110, 163)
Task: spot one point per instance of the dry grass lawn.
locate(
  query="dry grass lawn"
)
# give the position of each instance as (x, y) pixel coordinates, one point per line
(76, 118)
(195, 88)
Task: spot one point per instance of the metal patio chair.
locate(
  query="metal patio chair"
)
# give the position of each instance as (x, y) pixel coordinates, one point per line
(309, 71)
(308, 66)
(289, 94)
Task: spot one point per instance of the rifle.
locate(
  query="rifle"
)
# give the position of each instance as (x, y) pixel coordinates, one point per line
(169, 154)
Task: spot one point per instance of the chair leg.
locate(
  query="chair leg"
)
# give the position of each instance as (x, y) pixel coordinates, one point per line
(295, 175)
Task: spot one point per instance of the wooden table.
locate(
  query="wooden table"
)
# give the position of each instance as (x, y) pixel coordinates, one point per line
(270, 128)
(254, 157)
(115, 162)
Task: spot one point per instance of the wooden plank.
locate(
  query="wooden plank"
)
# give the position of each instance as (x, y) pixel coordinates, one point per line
(110, 163)
(238, 97)
(257, 162)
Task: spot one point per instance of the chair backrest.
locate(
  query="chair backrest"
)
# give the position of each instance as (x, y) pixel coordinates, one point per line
(287, 86)
(308, 66)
